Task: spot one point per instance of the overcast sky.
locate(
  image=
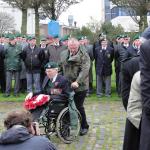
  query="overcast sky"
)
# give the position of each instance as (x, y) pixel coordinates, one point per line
(82, 12)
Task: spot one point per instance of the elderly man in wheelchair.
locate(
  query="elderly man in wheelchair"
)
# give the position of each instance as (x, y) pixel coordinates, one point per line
(54, 107)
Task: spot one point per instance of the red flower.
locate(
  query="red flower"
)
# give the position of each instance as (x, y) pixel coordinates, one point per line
(36, 101)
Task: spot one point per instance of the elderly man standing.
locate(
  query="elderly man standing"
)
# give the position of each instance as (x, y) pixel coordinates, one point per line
(103, 57)
(12, 65)
(75, 64)
(33, 57)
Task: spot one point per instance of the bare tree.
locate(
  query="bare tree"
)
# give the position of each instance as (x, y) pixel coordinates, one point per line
(7, 22)
(36, 5)
(23, 6)
(54, 8)
(138, 10)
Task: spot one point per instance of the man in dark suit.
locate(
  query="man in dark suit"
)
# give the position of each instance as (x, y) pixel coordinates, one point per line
(103, 57)
(145, 90)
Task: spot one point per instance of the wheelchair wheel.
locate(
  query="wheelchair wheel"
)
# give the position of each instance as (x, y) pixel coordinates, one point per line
(63, 126)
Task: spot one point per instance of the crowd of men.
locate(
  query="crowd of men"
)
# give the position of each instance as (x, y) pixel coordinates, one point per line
(24, 61)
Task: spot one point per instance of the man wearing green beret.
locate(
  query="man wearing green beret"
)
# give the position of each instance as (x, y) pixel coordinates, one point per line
(55, 49)
(33, 57)
(18, 38)
(12, 65)
(134, 49)
(54, 85)
(64, 40)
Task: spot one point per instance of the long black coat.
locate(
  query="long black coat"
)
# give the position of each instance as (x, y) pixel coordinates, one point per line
(132, 134)
(129, 67)
(103, 60)
(145, 93)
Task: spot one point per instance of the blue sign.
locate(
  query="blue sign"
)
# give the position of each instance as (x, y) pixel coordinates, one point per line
(53, 28)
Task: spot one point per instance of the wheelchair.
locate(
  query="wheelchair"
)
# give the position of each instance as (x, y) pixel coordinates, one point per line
(55, 120)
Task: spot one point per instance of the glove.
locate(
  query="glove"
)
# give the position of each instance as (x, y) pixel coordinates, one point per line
(29, 96)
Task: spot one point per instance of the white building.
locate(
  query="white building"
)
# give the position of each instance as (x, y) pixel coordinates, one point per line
(118, 15)
(17, 14)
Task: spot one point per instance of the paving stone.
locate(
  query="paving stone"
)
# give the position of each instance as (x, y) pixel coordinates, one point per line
(106, 120)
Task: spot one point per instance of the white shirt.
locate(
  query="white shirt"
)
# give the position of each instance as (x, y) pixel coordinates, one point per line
(54, 78)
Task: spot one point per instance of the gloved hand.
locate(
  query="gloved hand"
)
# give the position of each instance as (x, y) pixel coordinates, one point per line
(29, 96)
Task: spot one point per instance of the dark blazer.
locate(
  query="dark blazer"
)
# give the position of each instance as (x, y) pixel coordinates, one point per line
(103, 59)
(129, 67)
(61, 84)
(123, 53)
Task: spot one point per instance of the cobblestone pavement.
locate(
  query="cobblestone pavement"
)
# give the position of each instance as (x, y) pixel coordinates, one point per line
(106, 120)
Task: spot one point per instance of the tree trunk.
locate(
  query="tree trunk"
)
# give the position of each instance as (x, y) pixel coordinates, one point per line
(53, 11)
(24, 22)
(143, 23)
(37, 26)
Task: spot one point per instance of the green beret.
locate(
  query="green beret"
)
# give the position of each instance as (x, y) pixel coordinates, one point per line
(51, 65)
(117, 36)
(24, 36)
(80, 38)
(18, 35)
(43, 39)
(11, 37)
(31, 38)
(125, 36)
(65, 38)
(136, 37)
(7, 35)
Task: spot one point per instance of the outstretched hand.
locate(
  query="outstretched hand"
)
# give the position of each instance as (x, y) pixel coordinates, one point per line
(29, 96)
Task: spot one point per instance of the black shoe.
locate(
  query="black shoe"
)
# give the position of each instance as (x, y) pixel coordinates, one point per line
(84, 131)
(6, 95)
